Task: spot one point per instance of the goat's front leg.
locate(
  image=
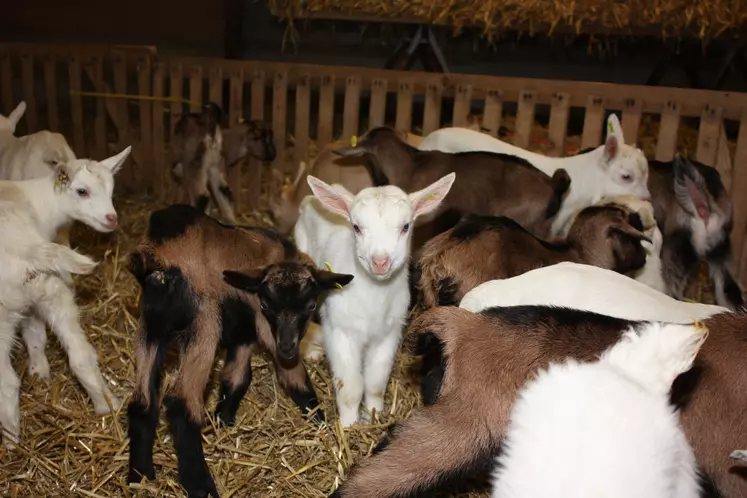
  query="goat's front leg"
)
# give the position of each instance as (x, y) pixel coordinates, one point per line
(222, 195)
(344, 355)
(56, 304)
(377, 367)
(197, 188)
(185, 407)
(10, 414)
(34, 332)
(142, 412)
(297, 384)
(235, 380)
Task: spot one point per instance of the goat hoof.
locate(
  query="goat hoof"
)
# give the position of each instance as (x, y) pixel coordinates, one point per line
(135, 476)
(224, 419)
(318, 416)
(40, 369)
(200, 486)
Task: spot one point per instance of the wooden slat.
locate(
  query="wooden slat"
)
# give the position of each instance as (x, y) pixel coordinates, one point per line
(593, 122)
(50, 88)
(94, 67)
(377, 108)
(525, 119)
(631, 120)
(195, 88)
(6, 81)
(558, 128)
(27, 82)
(432, 111)
(710, 122)
(176, 85)
(254, 169)
(723, 159)
(462, 104)
(403, 120)
(351, 109)
(326, 111)
(146, 174)
(742, 264)
(216, 85)
(491, 116)
(257, 110)
(279, 117)
(235, 113)
(739, 199)
(161, 173)
(303, 119)
(129, 171)
(76, 107)
(666, 144)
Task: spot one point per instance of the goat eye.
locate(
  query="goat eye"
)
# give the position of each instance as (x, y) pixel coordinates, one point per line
(356, 229)
(406, 228)
(262, 306)
(312, 306)
(82, 192)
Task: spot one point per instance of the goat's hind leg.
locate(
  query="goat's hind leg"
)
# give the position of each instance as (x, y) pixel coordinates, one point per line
(221, 194)
(235, 380)
(10, 414)
(34, 332)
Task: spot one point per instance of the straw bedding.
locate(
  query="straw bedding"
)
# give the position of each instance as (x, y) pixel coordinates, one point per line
(271, 452)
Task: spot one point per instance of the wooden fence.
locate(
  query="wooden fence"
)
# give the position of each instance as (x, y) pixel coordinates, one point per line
(325, 103)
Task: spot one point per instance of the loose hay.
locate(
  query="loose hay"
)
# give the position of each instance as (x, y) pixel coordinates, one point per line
(272, 451)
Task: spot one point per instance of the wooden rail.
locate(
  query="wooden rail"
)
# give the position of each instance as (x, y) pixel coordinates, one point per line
(307, 104)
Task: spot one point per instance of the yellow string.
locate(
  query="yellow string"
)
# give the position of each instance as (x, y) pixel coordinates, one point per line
(354, 141)
(133, 96)
(329, 267)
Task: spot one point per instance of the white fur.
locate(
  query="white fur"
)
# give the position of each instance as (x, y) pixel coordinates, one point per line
(362, 323)
(31, 289)
(604, 429)
(593, 175)
(588, 288)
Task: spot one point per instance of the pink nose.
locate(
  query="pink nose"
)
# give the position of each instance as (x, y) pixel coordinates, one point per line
(381, 265)
(112, 219)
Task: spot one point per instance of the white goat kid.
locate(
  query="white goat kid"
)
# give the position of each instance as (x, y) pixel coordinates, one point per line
(610, 420)
(609, 170)
(588, 288)
(367, 235)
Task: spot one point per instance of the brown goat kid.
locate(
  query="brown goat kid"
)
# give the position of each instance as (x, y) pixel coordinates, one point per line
(202, 151)
(486, 184)
(482, 248)
(193, 298)
(489, 357)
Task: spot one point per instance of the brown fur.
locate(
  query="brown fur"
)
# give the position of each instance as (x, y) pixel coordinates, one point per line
(488, 359)
(479, 249)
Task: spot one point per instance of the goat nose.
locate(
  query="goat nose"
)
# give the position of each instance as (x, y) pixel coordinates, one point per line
(111, 218)
(381, 264)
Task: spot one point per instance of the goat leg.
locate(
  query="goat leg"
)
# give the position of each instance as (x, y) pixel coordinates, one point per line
(236, 377)
(296, 383)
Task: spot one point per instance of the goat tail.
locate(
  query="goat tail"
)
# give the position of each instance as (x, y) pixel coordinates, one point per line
(56, 258)
(561, 182)
(727, 290)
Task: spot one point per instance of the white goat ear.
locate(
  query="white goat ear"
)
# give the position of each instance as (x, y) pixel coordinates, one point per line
(428, 199)
(17, 113)
(114, 163)
(614, 137)
(335, 200)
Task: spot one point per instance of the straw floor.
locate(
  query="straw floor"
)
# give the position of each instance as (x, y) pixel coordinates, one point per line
(271, 452)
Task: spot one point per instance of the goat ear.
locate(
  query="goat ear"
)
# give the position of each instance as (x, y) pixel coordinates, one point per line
(614, 138)
(690, 188)
(336, 200)
(329, 280)
(627, 250)
(114, 163)
(17, 113)
(357, 150)
(248, 280)
(428, 199)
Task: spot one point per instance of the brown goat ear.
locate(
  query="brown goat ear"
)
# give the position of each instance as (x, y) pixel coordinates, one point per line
(627, 250)
(630, 230)
(329, 280)
(248, 280)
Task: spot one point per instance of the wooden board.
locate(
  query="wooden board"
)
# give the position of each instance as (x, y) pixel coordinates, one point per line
(666, 143)
(593, 122)
(147, 173)
(27, 82)
(76, 107)
(94, 67)
(403, 120)
(558, 128)
(462, 104)
(279, 116)
(723, 159)
(235, 114)
(631, 120)
(491, 116)
(176, 86)
(326, 111)
(50, 89)
(351, 108)
(215, 90)
(253, 170)
(739, 199)
(130, 171)
(303, 118)
(6, 82)
(708, 131)
(525, 119)
(161, 174)
(377, 107)
(195, 89)
(432, 111)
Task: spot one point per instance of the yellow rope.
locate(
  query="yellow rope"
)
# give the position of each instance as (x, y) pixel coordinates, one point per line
(134, 96)
(329, 266)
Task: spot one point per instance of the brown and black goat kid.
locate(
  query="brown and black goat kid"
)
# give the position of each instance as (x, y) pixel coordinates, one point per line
(207, 286)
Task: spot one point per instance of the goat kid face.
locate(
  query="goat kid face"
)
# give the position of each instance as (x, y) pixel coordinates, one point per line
(87, 188)
(625, 166)
(10, 122)
(288, 294)
(381, 219)
(258, 142)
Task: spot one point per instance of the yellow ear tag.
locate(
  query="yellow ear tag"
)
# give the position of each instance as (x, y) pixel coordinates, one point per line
(609, 125)
(354, 141)
(329, 267)
(61, 180)
(242, 120)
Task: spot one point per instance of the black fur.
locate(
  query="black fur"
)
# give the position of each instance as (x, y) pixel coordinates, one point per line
(432, 367)
(561, 181)
(447, 292)
(707, 487)
(193, 471)
(634, 220)
(306, 400)
(202, 202)
(169, 307)
(229, 398)
(414, 284)
(732, 290)
(172, 222)
(685, 384)
(680, 241)
(226, 191)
